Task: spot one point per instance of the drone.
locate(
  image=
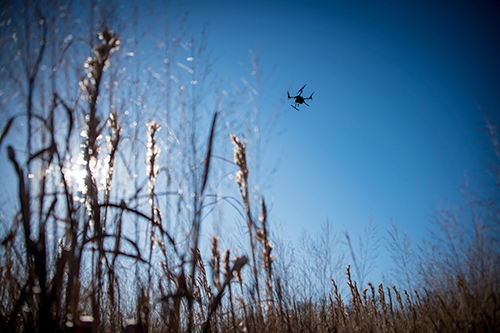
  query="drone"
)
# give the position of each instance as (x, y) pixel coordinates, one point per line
(299, 99)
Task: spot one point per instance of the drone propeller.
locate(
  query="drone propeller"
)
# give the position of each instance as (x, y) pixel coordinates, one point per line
(301, 89)
(310, 97)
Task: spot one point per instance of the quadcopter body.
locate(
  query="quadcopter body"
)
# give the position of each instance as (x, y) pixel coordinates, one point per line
(299, 99)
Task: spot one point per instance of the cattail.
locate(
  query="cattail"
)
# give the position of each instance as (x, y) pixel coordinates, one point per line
(364, 296)
(215, 261)
(152, 169)
(331, 308)
(95, 66)
(409, 300)
(116, 130)
(373, 292)
(262, 237)
(390, 302)
(202, 276)
(382, 302)
(239, 155)
(398, 297)
(419, 302)
(227, 263)
(411, 308)
(227, 276)
(113, 140)
(373, 305)
(340, 303)
(356, 298)
(153, 151)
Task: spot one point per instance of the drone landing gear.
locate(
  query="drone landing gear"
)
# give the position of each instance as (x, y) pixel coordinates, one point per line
(293, 106)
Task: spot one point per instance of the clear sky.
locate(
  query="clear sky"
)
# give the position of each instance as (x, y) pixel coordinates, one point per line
(394, 123)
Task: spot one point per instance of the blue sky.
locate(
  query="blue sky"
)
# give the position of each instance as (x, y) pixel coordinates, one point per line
(394, 123)
(395, 120)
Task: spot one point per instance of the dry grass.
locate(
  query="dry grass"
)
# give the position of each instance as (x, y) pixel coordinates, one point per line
(101, 259)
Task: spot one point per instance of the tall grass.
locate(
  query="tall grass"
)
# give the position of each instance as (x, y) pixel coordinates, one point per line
(98, 241)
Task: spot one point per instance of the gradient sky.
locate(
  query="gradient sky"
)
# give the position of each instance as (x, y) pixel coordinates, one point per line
(395, 120)
(394, 123)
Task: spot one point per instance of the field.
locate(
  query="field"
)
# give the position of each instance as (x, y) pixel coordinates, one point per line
(102, 223)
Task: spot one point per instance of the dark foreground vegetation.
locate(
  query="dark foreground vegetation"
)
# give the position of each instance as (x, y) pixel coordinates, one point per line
(102, 219)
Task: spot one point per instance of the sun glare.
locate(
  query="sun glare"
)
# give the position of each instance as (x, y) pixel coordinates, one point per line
(75, 173)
